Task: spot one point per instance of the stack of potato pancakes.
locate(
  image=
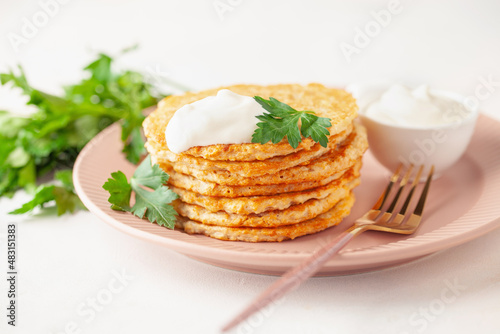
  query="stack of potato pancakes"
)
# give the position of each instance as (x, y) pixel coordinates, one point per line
(264, 192)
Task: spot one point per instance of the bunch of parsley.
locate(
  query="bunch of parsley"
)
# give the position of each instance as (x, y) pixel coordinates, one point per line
(50, 139)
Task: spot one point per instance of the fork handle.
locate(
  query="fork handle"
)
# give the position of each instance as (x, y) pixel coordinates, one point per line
(295, 276)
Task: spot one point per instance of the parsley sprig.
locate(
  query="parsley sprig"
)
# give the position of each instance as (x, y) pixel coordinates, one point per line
(155, 205)
(282, 121)
(63, 195)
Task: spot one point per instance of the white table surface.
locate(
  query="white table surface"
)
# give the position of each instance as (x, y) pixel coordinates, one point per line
(65, 263)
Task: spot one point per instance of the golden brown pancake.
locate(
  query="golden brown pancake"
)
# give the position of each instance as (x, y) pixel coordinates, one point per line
(250, 234)
(292, 215)
(244, 168)
(260, 204)
(316, 173)
(165, 154)
(214, 189)
(336, 104)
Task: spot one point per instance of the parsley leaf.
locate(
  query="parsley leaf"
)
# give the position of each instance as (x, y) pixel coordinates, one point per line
(63, 196)
(152, 204)
(119, 190)
(155, 206)
(151, 176)
(66, 200)
(44, 194)
(282, 121)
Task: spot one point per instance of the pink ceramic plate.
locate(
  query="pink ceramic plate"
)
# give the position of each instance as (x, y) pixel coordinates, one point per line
(462, 205)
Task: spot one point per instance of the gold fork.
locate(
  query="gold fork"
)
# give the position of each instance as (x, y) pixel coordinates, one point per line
(377, 219)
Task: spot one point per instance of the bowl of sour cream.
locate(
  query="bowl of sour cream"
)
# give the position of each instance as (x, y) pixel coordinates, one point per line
(418, 126)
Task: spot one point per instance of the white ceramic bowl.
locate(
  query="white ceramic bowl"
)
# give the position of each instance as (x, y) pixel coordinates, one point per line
(440, 146)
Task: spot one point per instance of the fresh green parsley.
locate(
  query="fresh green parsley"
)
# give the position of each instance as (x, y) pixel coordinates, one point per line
(62, 195)
(51, 138)
(282, 121)
(155, 205)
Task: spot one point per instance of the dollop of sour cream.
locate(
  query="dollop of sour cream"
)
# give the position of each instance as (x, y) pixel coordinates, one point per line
(227, 118)
(398, 105)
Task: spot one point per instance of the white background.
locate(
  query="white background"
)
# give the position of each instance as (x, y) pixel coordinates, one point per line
(64, 261)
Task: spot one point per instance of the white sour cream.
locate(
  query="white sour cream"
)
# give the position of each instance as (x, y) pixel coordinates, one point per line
(227, 118)
(401, 106)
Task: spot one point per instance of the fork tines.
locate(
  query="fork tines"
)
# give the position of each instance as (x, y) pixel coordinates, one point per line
(408, 183)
